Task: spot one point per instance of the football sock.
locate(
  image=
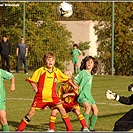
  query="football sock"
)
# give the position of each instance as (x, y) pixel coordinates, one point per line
(5, 127)
(78, 70)
(74, 70)
(67, 122)
(23, 123)
(82, 120)
(93, 120)
(86, 116)
(52, 121)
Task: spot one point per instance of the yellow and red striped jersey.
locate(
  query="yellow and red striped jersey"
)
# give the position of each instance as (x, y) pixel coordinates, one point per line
(67, 88)
(46, 82)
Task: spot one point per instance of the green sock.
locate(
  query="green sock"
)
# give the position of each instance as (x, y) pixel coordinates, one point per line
(93, 120)
(86, 116)
(5, 127)
(78, 70)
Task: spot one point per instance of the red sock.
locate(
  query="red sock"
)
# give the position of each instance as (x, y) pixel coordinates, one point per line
(52, 121)
(82, 120)
(67, 122)
(22, 125)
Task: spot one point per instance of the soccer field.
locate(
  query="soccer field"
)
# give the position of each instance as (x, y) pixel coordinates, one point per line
(19, 101)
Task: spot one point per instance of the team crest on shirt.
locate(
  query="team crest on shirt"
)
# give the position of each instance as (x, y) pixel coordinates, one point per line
(89, 81)
(55, 80)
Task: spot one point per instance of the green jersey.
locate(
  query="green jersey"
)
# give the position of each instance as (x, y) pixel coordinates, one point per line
(84, 80)
(4, 75)
(75, 53)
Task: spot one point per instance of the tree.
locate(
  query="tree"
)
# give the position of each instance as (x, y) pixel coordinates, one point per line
(123, 44)
(50, 32)
(43, 32)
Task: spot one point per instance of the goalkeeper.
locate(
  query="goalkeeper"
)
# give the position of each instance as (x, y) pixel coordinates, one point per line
(125, 123)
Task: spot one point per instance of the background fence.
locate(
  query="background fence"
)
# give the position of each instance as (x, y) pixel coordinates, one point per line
(26, 19)
(39, 24)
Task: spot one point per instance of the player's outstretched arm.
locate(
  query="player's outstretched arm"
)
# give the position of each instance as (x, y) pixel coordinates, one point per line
(68, 94)
(112, 96)
(75, 86)
(122, 99)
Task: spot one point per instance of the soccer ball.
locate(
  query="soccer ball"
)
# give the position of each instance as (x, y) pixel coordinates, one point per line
(64, 9)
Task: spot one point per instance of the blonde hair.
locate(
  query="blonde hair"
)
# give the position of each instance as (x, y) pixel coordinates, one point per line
(48, 55)
(67, 70)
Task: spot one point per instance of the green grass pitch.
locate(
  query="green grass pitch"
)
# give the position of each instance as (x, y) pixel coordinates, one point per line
(19, 101)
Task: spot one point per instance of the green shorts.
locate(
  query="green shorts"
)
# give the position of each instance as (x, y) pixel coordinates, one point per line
(2, 105)
(75, 60)
(90, 100)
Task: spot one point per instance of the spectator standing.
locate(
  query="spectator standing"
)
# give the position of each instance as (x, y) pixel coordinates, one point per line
(21, 53)
(5, 51)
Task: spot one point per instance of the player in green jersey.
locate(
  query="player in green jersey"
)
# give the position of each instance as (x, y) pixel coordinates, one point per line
(75, 57)
(9, 76)
(83, 79)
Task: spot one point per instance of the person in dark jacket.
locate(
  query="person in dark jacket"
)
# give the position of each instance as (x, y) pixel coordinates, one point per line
(5, 51)
(125, 123)
(21, 53)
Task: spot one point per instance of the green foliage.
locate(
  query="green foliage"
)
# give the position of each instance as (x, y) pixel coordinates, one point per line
(123, 39)
(103, 31)
(52, 36)
(123, 34)
(83, 46)
(43, 32)
(89, 11)
(49, 35)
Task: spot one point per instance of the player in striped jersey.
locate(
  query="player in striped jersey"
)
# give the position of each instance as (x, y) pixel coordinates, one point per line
(46, 78)
(68, 96)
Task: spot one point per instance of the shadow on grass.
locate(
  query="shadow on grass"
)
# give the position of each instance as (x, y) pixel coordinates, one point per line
(45, 126)
(29, 127)
(113, 114)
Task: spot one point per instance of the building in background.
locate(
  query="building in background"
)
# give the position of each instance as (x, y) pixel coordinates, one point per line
(82, 31)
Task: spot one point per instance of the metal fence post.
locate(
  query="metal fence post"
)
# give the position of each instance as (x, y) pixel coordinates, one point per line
(24, 19)
(112, 38)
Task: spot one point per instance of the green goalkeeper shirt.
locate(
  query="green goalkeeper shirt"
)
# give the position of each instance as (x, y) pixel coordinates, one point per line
(84, 80)
(4, 75)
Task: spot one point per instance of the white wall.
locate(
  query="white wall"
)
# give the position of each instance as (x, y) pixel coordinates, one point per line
(82, 31)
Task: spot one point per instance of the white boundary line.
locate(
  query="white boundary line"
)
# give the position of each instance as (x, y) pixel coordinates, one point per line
(21, 99)
(27, 99)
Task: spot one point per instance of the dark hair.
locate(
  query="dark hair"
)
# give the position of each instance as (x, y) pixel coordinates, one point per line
(48, 55)
(83, 64)
(22, 38)
(3, 37)
(75, 45)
